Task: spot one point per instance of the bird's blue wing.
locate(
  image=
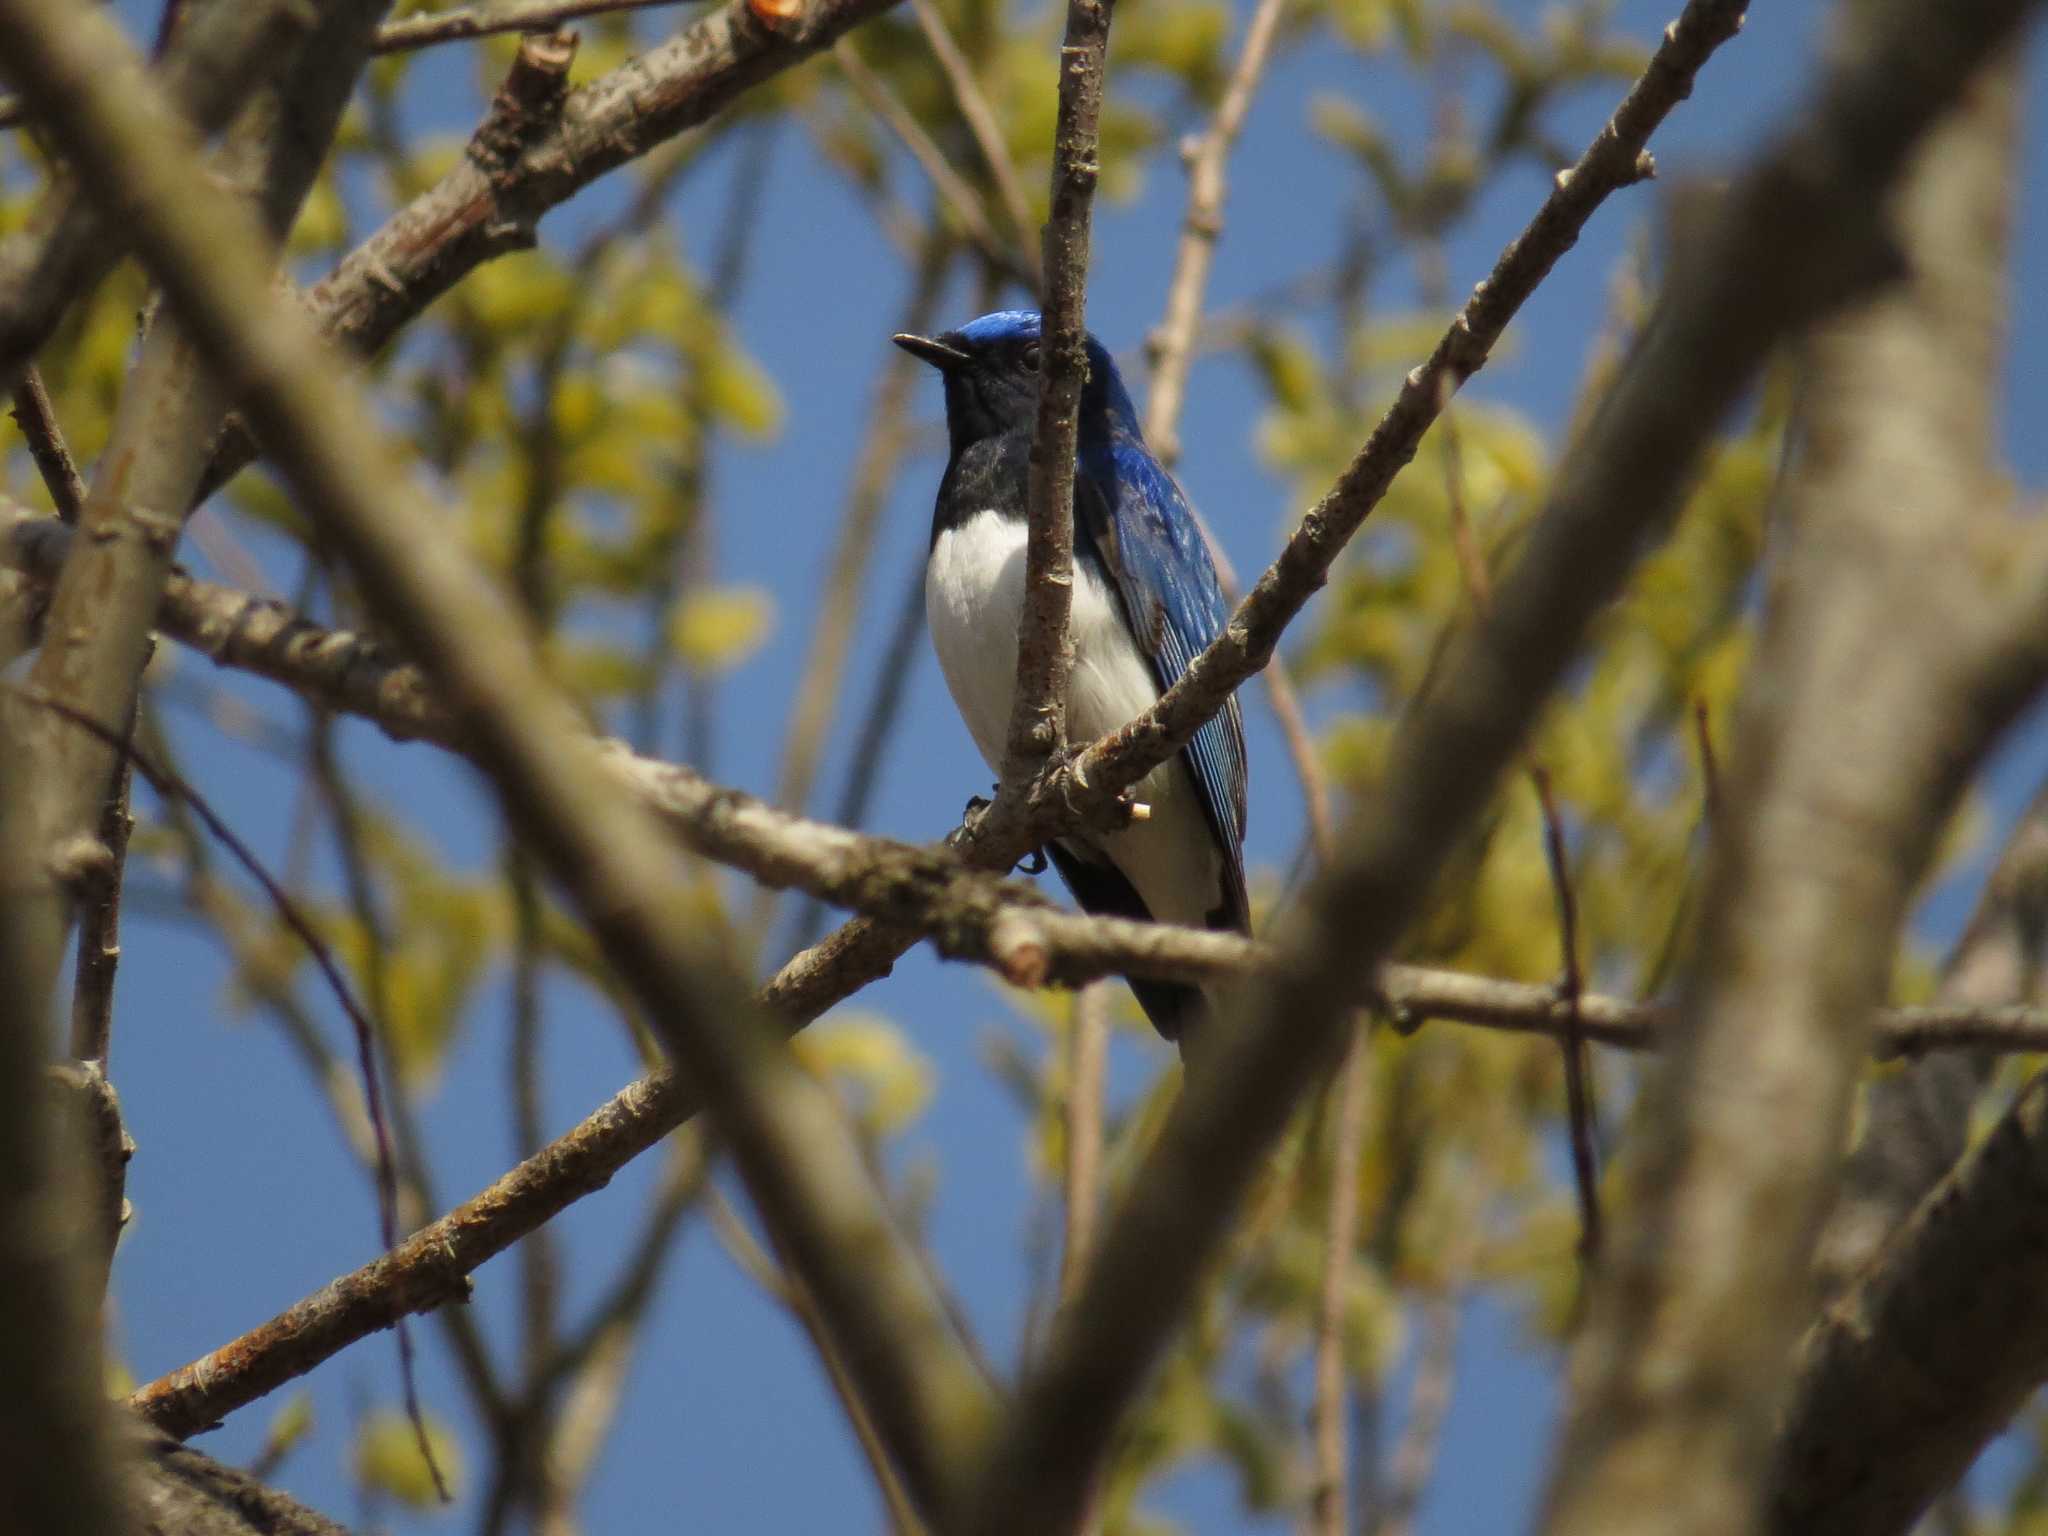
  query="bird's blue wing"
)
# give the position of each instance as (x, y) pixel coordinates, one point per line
(1141, 527)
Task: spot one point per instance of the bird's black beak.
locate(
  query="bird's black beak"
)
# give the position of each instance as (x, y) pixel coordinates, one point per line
(942, 355)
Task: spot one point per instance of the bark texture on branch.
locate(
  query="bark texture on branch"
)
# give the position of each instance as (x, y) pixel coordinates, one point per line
(182, 1492)
(1874, 1430)
(1940, 342)
(1881, 677)
(1930, 1352)
(1045, 649)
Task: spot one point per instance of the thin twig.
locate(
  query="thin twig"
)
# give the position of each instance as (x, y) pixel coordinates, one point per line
(1571, 988)
(33, 413)
(99, 926)
(1171, 346)
(349, 839)
(1045, 651)
(788, 1292)
(489, 20)
(1579, 1109)
(953, 188)
(539, 1273)
(1710, 768)
(980, 118)
(170, 786)
(1429, 1403)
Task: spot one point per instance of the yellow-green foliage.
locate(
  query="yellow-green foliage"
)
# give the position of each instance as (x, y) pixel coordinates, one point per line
(571, 399)
(388, 1460)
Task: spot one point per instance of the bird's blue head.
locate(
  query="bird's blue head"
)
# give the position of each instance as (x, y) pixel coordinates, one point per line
(990, 366)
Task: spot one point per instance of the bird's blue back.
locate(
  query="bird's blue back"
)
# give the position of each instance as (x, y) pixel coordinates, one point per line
(1133, 524)
(1137, 523)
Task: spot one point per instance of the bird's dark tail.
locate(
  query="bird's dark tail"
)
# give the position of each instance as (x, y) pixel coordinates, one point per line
(1177, 1010)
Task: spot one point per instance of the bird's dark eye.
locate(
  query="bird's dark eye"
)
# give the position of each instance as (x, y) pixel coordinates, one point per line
(1030, 355)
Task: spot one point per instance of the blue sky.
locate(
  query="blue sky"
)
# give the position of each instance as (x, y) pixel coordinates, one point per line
(245, 1199)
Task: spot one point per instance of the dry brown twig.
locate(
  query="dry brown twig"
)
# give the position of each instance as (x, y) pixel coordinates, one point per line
(979, 116)
(954, 189)
(1171, 345)
(33, 413)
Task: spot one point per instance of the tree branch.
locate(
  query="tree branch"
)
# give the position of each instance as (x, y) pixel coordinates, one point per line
(1880, 680)
(58, 1458)
(98, 629)
(464, 22)
(68, 247)
(787, 1137)
(971, 914)
(33, 413)
(1045, 650)
(491, 201)
(1942, 342)
(1087, 1052)
(1931, 1351)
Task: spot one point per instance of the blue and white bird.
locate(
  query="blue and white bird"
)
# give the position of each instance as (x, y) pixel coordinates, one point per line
(1146, 603)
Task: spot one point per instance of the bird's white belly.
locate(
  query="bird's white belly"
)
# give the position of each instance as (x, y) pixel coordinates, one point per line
(974, 598)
